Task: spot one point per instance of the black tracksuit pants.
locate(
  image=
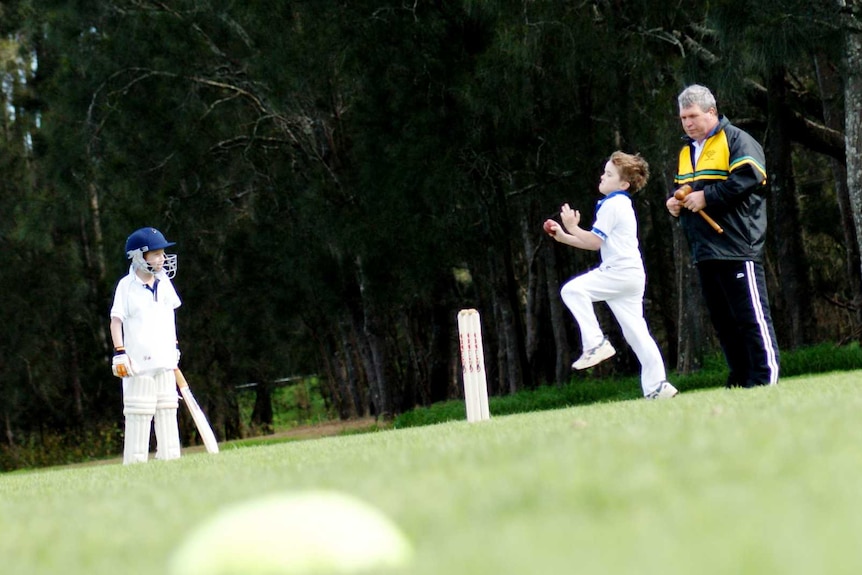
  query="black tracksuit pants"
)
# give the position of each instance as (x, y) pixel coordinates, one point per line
(735, 294)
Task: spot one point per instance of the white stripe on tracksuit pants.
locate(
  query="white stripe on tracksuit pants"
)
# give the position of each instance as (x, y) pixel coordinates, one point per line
(623, 290)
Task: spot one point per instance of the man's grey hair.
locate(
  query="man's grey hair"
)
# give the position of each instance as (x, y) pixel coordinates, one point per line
(697, 95)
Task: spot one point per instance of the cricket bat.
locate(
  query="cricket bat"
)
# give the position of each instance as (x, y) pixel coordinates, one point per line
(197, 413)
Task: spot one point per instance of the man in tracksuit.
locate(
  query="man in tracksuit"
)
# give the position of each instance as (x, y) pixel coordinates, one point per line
(726, 168)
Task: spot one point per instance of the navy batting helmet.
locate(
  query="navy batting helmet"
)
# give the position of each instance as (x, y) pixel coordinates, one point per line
(146, 240)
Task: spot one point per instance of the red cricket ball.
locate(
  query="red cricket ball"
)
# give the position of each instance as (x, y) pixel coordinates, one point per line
(549, 227)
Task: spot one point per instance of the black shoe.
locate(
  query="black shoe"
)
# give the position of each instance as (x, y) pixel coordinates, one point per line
(733, 381)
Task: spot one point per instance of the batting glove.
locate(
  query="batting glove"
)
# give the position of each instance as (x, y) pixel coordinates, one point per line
(121, 365)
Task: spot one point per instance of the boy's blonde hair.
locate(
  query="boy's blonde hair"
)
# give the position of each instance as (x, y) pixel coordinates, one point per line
(633, 169)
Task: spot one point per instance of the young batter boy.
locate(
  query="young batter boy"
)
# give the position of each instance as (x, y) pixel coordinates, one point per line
(619, 280)
(144, 333)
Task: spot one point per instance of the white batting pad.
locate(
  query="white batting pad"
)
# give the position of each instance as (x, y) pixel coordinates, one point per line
(139, 406)
(167, 430)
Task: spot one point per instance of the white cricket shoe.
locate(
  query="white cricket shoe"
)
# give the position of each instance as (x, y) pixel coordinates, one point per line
(595, 355)
(665, 391)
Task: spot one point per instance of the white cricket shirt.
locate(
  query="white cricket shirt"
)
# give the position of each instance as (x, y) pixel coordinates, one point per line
(617, 226)
(149, 322)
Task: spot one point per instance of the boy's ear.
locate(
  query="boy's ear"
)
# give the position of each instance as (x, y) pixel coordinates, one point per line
(624, 185)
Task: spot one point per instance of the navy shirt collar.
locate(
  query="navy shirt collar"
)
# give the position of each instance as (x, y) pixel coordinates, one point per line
(609, 196)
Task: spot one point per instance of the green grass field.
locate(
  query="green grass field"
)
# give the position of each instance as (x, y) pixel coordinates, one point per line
(714, 481)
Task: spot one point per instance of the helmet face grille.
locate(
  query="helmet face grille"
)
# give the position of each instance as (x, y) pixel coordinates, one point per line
(169, 266)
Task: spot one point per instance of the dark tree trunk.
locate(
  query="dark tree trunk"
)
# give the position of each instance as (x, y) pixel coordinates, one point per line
(374, 350)
(339, 383)
(261, 413)
(792, 301)
(829, 81)
(354, 364)
(559, 314)
(510, 341)
(75, 376)
(442, 333)
(513, 341)
(534, 300)
(852, 24)
(692, 319)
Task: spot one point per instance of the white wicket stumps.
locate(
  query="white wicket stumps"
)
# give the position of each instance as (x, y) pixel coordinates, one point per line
(473, 362)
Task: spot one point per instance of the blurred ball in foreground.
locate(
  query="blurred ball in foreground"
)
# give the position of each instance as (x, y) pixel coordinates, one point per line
(313, 532)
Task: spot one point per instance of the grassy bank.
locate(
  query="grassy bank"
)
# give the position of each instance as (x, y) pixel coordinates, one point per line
(581, 391)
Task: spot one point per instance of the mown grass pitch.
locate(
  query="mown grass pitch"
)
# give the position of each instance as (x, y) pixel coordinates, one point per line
(713, 481)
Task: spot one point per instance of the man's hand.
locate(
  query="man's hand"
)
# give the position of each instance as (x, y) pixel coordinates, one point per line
(673, 206)
(694, 201)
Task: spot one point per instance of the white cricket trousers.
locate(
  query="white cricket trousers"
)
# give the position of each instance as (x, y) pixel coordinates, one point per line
(623, 291)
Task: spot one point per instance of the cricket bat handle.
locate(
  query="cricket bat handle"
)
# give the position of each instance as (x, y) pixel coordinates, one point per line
(680, 195)
(711, 222)
(181, 379)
